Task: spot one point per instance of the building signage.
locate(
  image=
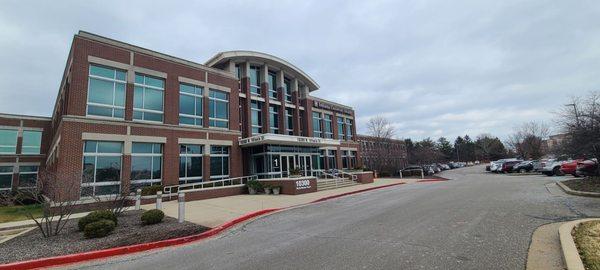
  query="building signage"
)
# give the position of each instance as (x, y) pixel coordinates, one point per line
(286, 140)
(302, 184)
(252, 139)
(331, 107)
(309, 140)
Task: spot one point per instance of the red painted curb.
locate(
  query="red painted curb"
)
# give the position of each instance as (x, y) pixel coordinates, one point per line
(98, 254)
(104, 253)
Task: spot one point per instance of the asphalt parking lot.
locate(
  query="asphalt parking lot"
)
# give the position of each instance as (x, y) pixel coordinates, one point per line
(477, 220)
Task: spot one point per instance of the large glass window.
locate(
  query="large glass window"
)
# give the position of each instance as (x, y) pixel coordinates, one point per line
(219, 162)
(349, 129)
(328, 126)
(316, 123)
(28, 176)
(190, 104)
(288, 90)
(272, 85)
(340, 127)
(190, 163)
(353, 163)
(146, 164)
(256, 108)
(6, 174)
(273, 119)
(101, 168)
(289, 115)
(254, 74)
(148, 98)
(345, 160)
(8, 141)
(106, 92)
(218, 104)
(32, 141)
(331, 159)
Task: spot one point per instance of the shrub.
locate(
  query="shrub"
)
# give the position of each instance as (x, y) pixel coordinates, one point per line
(256, 185)
(151, 190)
(99, 228)
(96, 216)
(153, 216)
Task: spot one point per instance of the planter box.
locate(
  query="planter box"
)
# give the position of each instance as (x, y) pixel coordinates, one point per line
(293, 186)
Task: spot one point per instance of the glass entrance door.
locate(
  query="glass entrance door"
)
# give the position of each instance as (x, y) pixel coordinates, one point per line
(287, 164)
(304, 163)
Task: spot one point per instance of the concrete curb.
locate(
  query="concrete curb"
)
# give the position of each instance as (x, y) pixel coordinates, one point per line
(124, 250)
(568, 190)
(569, 250)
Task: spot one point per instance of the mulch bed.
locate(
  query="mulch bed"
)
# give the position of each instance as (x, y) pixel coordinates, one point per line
(129, 231)
(583, 184)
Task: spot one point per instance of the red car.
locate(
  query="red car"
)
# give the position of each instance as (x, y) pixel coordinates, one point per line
(508, 166)
(587, 167)
(570, 167)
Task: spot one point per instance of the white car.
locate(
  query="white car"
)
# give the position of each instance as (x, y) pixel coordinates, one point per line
(552, 168)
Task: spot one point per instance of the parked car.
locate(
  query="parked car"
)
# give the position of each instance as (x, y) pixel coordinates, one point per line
(508, 166)
(496, 166)
(570, 167)
(524, 166)
(539, 164)
(445, 167)
(587, 167)
(552, 167)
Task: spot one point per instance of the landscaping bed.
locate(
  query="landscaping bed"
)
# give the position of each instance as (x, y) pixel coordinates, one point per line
(587, 240)
(129, 231)
(583, 184)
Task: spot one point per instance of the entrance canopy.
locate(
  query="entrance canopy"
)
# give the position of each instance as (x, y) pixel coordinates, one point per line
(281, 139)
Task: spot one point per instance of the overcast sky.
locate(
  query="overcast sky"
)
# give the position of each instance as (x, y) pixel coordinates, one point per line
(433, 68)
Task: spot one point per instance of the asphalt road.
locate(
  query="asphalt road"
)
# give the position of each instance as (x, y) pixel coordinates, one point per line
(475, 221)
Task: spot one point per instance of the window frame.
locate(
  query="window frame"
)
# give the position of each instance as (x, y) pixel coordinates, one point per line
(273, 119)
(38, 147)
(16, 131)
(192, 179)
(256, 70)
(114, 81)
(341, 123)
(328, 133)
(212, 101)
(272, 80)
(36, 173)
(151, 180)
(316, 122)
(143, 110)
(289, 129)
(95, 183)
(11, 173)
(221, 156)
(196, 117)
(258, 109)
(287, 84)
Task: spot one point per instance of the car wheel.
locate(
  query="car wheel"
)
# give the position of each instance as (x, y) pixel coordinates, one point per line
(522, 170)
(556, 171)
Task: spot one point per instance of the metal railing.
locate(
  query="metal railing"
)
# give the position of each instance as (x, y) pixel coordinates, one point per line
(236, 181)
(353, 177)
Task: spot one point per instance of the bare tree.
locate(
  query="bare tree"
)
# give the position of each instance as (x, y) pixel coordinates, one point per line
(55, 195)
(380, 127)
(528, 140)
(381, 132)
(580, 121)
(117, 202)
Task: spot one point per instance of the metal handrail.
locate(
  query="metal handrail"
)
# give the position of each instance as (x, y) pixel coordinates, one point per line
(352, 176)
(209, 184)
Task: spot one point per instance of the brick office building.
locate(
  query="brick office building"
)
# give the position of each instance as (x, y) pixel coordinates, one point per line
(386, 156)
(127, 117)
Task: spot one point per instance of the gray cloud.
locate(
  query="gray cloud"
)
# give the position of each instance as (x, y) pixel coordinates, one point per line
(434, 68)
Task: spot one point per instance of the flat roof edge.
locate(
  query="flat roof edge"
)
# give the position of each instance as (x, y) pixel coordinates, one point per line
(139, 49)
(24, 116)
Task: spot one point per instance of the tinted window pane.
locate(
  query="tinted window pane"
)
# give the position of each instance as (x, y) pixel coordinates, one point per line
(119, 94)
(153, 116)
(195, 169)
(121, 75)
(141, 148)
(194, 149)
(139, 79)
(27, 180)
(6, 169)
(157, 162)
(186, 120)
(119, 113)
(23, 169)
(8, 141)
(215, 166)
(101, 91)
(137, 115)
(141, 168)
(108, 169)
(187, 88)
(110, 147)
(31, 142)
(153, 100)
(222, 110)
(100, 111)
(199, 106)
(155, 82)
(102, 71)
(107, 190)
(186, 104)
(182, 166)
(138, 94)
(6, 180)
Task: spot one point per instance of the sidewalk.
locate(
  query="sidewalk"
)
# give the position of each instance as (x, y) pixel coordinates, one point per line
(214, 212)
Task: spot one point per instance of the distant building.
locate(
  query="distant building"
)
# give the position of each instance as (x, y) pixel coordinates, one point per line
(387, 156)
(553, 141)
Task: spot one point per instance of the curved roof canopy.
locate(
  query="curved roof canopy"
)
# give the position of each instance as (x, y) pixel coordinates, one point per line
(270, 60)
